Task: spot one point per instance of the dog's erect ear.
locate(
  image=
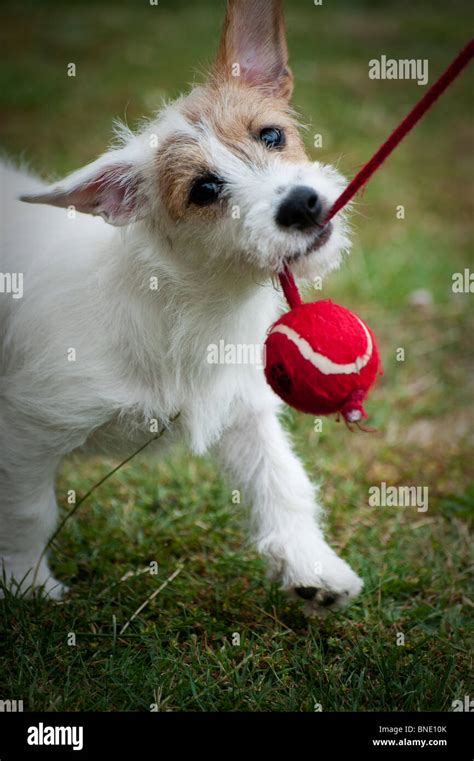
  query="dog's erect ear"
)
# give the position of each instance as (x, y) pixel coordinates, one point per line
(253, 46)
(108, 187)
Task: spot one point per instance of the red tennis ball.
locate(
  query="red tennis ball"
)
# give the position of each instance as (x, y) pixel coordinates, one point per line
(321, 358)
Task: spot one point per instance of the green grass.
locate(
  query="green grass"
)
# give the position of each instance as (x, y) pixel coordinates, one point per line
(178, 652)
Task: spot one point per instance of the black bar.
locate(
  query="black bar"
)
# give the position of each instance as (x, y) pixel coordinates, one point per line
(165, 735)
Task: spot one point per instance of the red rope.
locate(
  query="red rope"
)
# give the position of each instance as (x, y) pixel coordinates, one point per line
(453, 70)
(290, 289)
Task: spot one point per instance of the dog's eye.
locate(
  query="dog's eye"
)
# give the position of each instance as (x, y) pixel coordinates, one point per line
(205, 190)
(273, 137)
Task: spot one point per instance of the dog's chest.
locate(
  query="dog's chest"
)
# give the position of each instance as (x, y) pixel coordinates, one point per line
(200, 406)
(205, 369)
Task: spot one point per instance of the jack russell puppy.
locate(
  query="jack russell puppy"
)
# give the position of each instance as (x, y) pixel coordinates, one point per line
(131, 268)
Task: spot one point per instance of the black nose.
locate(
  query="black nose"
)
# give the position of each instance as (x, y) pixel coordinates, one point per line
(300, 209)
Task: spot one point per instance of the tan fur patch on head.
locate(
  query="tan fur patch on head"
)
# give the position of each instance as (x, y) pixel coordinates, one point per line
(236, 114)
(248, 90)
(180, 160)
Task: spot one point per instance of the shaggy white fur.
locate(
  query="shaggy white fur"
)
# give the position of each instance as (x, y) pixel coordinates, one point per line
(111, 336)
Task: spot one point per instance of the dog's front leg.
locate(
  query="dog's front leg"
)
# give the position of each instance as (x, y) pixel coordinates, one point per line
(285, 515)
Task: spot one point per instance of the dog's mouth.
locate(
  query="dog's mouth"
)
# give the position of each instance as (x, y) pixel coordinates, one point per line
(316, 241)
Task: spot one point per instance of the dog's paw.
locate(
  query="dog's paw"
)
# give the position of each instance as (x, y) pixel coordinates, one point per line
(52, 589)
(310, 570)
(334, 587)
(20, 579)
(332, 594)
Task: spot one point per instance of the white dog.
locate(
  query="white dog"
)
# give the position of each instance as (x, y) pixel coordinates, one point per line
(165, 245)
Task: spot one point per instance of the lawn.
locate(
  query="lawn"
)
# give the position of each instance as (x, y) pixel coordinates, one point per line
(404, 645)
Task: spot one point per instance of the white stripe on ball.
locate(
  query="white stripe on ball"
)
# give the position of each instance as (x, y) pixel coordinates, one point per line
(319, 361)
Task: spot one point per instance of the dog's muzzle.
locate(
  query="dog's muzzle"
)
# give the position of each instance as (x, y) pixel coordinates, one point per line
(301, 209)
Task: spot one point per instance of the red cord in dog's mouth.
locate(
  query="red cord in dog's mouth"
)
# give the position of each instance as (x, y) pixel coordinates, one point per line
(321, 237)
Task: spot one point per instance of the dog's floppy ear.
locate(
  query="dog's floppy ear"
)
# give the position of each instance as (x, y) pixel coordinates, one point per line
(253, 46)
(108, 187)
